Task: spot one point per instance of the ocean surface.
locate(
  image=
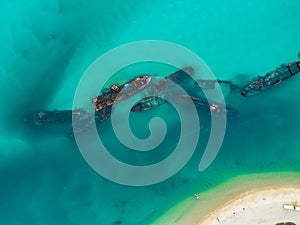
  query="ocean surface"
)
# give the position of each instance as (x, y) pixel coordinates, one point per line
(46, 46)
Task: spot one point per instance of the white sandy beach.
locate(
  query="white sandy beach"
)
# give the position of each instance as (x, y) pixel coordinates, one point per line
(247, 200)
(258, 207)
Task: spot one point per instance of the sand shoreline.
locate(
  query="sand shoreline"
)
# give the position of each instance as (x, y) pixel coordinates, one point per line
(262, 206)
(223, 198)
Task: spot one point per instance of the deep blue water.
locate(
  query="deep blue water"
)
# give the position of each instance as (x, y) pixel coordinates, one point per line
(45, 47)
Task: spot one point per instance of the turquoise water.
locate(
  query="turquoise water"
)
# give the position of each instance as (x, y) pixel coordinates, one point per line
(47, 45)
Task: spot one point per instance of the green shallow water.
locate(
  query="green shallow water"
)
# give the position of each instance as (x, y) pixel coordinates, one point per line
(47, 45)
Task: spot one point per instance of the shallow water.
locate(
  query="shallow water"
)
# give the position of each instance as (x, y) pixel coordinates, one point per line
(47, 45)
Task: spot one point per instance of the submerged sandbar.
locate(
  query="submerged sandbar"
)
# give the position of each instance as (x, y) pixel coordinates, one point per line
(247, 199)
